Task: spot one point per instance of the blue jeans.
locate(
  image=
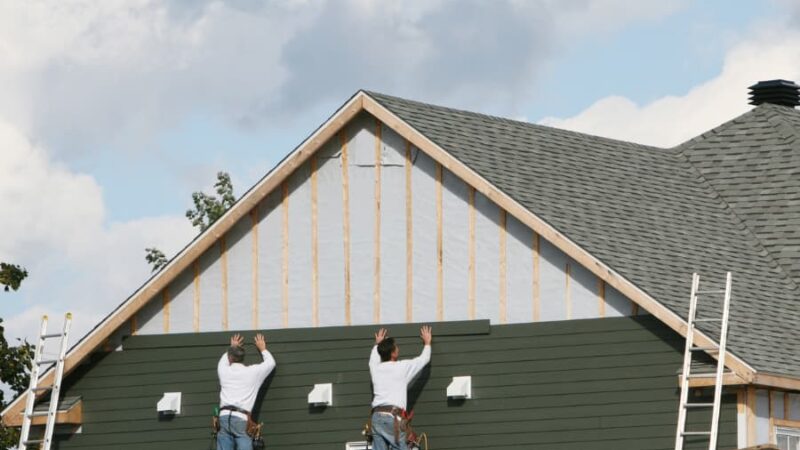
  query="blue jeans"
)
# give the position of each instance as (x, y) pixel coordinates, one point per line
(383, 433)
(233, 434)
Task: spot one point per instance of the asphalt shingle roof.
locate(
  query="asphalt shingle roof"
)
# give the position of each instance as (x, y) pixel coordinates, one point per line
(653, 215)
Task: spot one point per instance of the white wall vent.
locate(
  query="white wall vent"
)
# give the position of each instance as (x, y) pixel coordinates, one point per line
(460, 388)
(170, 403)
(321, 395)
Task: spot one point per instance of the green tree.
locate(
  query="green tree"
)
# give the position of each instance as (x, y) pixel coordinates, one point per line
(207, 209)
(14, 360)
(11, 276)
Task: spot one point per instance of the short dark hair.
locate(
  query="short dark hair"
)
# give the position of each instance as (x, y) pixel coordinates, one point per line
(236, 354)
(385, 349)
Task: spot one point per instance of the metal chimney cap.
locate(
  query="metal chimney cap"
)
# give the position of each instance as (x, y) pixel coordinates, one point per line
(776, 92)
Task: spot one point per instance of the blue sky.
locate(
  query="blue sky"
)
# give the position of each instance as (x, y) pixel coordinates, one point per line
(114, 114)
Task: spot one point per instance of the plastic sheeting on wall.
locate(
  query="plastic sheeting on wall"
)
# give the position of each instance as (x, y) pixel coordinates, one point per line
(552, 282)
(181, 305)
(519, 267)
(210, 289)
(455, 248)
(487, 259)
(584, 296)
(239, 243)
(393, 229)
(424, 238)
(270, 247)
(331, 243)
(617, 304)
(299, 264)
(362, 219)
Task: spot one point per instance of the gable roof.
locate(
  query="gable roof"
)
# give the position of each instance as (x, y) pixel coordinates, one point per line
(610, 205)
(646, 212)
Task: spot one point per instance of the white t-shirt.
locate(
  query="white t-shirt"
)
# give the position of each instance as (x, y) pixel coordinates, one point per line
(390, 378)
(239, 384)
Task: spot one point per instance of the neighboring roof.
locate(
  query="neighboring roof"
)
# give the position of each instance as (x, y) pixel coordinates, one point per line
(595, 383)
(753, 162)
(646, 212)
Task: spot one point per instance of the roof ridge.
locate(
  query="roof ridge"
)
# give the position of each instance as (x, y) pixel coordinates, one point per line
(378, 95)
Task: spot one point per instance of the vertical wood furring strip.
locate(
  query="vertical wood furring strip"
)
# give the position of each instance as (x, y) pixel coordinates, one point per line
(285, 254)
(786, 410)
(601, 297)
(165, 308)
(346, 225)
(254, 261)
(133, 325)
(503, 282)
(439, 246)
(376, 294)
(537, 300)
(634, 308)
(196, 305)
(409, 239)
(751, 415)
(772, 437)
(314, 245)
(567, 293)
(471, 244)
(223, 245)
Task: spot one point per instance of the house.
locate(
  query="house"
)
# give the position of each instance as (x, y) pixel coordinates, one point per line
(554, 266)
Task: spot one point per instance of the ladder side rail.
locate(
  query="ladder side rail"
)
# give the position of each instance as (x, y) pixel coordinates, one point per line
(54, 394)
(712, 445)
(687, 362)
(32, 385)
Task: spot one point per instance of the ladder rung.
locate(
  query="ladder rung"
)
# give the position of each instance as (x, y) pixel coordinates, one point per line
(34, 441)
(708, 320)
(47, 361)
(713, 291)
(705, 374)
(45, 388)
(696, 433)
(699, 405)
(704, 349)
(50, 336)
(39, 413)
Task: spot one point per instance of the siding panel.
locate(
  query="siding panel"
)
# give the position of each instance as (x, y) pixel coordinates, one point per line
(598, 383)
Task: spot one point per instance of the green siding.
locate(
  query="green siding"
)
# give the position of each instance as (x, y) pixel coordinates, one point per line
(598, 383)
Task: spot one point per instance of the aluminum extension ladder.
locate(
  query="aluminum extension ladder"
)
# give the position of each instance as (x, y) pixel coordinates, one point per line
(687, 364)
(44, 442)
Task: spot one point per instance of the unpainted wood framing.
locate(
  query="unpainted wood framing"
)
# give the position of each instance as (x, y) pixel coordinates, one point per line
(376, 293)
(439, 246)
(601, 297)
(537, 301)
(314, 244)
(346, 223)
(567, 293)
(196, 296)
(165, 308)
(409, 237)
(223, 256)
(471, 282)
(254, 268)
(285, 254)
(503, 278)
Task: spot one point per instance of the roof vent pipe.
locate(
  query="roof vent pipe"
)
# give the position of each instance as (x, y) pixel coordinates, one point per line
(776, 92)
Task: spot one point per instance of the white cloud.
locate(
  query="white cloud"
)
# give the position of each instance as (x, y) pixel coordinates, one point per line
(82, 74)
(672, 120)
(54, 223)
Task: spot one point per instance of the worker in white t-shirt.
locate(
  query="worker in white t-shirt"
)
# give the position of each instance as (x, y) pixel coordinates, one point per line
(239, 385)
(390, 379)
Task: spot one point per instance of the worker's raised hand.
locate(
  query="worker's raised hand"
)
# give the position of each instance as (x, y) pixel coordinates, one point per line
(426, 335)
(261, 343)
(380, 335)
(237, 340)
